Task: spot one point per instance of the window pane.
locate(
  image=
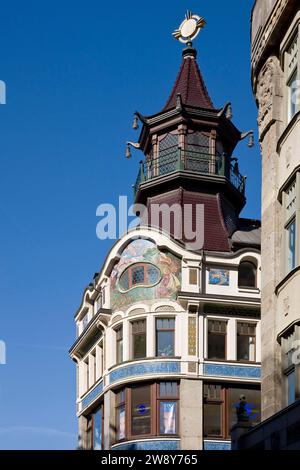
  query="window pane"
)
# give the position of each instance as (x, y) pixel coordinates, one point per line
(247, 274)
(193, 278)
(137, 275)
(153, 275)
(291, 382)
(293, 89)
(121, 423)
(89, 433)
(168, 389)
(139, 345)
(165, 343)
(245, 348)
(97, 430)
(253, 404)
(167, 417)
(212, 419)
(291, 246)
(124, 280)
(140, 411)
(216, 346)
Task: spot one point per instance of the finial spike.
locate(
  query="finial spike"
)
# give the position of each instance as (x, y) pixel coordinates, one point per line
(189, 28)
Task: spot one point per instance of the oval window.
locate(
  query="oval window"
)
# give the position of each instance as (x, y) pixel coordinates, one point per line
(140, 274)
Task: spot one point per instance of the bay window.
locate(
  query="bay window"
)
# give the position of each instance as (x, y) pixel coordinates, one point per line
(147, 410)
(220, 403)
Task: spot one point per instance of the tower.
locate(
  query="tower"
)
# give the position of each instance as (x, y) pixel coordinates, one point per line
(169, 329)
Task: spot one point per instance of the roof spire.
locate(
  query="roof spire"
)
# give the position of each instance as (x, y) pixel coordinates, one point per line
(189, 83)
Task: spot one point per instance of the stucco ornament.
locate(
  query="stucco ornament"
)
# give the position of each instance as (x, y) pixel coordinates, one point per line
(265, 93)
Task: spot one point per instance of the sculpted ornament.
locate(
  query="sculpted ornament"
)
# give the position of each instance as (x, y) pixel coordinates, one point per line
(265, 93)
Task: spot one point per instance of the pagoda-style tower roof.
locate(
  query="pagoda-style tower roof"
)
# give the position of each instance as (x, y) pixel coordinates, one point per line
(189, 147)
(189, 84)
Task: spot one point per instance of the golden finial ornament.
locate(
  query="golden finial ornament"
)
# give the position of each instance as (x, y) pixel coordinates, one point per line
(189, 28)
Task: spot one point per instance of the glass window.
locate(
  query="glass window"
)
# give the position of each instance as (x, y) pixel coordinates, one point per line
(217, 339)
(247, 274)
(212, 419)
(120, 416)
(97, 429)
(141, 410)
(89, 433)
(119, 341)
(145, 275)
(168, 389)
(137, 275)
(245, 341)
(193, 276)
(167, 417)
(139, 339)
(220, 406)
(85, 321)
(291, 386)
(253, 405)
(293, 95)
(165, 332)
(291, 231)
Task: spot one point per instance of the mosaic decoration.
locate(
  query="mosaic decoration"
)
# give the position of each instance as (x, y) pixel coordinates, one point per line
(149, 445)
(219, 277)
(217, 445)
(192, 336)
(145, 251)
(133, 370)
(232, 371)
(92, 395)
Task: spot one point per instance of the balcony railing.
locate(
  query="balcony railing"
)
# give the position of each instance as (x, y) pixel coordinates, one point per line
(195, 159)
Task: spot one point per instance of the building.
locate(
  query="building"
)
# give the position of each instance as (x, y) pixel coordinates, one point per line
(168, 332)
(275, 77)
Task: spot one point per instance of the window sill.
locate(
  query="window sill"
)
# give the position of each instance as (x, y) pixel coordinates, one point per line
(286, 279)
(252, 290)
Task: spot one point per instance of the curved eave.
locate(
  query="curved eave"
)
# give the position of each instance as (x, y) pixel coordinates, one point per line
(199, 116)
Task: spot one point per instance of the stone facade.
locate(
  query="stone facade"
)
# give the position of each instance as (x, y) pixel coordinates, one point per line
(275, 24)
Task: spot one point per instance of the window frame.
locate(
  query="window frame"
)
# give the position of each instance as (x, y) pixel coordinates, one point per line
(165, 329)
(224, 403)
(135, 334)
(254, 266)
(129, 269)
(118, 341)
(155, 399)
(249, 336)
(208, 334)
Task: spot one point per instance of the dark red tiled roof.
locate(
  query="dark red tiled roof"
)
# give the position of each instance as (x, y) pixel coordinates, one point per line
(190, 85)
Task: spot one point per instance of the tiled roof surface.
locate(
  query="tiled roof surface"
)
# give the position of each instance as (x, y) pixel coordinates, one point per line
(190, 85)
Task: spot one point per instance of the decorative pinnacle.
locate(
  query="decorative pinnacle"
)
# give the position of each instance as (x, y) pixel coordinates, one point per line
(189, 28)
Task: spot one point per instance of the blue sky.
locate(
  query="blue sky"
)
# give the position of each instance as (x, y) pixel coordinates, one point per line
(75, 73)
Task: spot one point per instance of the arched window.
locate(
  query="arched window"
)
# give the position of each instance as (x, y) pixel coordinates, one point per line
(139, 275)
(247, 274)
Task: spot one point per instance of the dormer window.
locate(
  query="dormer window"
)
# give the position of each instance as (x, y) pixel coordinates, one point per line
(139, 275)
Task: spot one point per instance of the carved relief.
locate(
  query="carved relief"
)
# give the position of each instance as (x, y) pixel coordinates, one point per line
(265, 93)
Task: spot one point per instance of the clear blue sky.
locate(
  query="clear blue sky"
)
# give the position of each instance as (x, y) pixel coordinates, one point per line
(75, 72)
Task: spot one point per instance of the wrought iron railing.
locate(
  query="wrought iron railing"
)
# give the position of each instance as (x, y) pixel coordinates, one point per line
(195, 159)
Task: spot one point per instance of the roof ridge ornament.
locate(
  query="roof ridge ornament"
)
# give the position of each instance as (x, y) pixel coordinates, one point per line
(189, 28)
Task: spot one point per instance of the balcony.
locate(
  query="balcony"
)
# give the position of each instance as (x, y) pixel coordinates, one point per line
(195, 159)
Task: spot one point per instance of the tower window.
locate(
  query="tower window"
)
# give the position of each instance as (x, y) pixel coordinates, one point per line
(247, 274)
(139, 275)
